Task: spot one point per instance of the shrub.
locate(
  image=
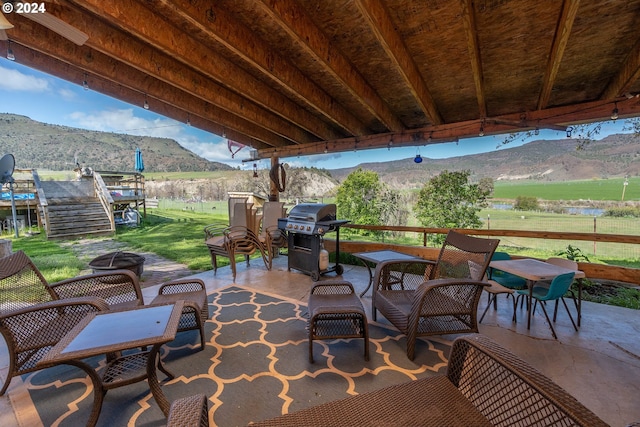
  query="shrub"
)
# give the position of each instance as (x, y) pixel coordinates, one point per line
(623, 212)
(526, 203)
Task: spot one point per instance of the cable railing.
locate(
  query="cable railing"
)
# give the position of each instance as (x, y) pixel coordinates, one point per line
(395, 237)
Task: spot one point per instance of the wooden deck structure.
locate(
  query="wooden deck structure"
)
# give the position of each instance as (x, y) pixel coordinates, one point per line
(91, 205)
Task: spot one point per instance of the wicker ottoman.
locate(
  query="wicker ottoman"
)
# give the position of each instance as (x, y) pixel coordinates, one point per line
(195, 311)
(335, 311)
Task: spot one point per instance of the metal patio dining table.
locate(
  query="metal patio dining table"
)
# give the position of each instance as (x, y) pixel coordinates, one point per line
(534, 270)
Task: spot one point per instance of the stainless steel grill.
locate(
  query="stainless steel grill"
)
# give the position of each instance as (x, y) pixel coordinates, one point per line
(306, 225)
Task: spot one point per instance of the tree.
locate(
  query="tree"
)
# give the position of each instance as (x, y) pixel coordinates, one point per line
(359, 198)
(448, 200)
(486, 185)
(526, 203)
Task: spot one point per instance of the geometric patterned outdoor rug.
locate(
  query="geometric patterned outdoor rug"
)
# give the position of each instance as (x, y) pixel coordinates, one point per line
(255, 366)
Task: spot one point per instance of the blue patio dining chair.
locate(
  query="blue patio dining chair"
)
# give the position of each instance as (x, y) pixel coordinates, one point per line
(555, 292)
(501, 283)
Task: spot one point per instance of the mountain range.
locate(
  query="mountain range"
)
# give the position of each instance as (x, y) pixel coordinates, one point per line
(52, 147)
(616, 155)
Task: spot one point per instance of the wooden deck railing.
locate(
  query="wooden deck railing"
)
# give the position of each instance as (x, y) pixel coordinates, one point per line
(591, 270)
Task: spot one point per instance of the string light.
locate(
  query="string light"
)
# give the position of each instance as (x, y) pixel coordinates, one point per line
(569, 130)
(188, 119)
(614, 113)
(146, 103)
(481, 133)
(85, 84)
(326, 147)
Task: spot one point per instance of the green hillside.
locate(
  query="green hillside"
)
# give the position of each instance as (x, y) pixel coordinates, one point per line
(44, 146)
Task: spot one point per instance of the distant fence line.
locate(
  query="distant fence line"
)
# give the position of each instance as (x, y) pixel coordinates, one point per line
(585, 232)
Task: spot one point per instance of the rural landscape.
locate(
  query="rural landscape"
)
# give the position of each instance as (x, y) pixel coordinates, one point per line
(596, 189)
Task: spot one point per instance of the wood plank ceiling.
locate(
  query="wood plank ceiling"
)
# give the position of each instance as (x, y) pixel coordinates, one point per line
(298, 77)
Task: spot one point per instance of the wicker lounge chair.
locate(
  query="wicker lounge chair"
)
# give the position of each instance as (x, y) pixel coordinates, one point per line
(422, 297)
(48, 311)
(485, 384)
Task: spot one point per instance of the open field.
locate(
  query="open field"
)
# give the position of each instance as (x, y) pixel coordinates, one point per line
(597, 189)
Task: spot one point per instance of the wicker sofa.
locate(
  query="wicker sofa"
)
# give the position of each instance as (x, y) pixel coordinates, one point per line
(484, 385)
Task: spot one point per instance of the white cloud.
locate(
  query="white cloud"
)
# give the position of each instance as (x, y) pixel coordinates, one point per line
(67, 95)
(214, 151)
(14, 80)
(124, 121)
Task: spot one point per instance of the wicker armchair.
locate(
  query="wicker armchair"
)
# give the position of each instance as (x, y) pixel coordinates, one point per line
(422, 297)
(120, 289)
(485, 385)
(19, 275)
(23, 288)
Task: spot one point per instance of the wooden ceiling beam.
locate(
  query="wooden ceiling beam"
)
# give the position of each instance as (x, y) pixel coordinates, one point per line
(294, 21)
(554, 118)
(212, 23)
(629, 73)
(473, 46)
(139, 55)
(74, 64)
(140, 22)
(380, 24)
(560, 40)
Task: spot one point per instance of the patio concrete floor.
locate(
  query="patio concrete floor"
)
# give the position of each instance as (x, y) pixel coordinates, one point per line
(599, 365)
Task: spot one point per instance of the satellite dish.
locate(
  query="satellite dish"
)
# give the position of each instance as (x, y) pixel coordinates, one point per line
(7, 165)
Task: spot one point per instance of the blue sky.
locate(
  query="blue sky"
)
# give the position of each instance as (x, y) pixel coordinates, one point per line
(47, 99)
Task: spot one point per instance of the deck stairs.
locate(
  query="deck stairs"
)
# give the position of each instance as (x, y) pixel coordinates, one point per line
(73, 210)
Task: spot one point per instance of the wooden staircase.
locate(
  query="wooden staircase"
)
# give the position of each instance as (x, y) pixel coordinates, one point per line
(72, 210)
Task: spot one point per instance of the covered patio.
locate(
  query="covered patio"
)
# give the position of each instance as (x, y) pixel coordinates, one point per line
(599, 365)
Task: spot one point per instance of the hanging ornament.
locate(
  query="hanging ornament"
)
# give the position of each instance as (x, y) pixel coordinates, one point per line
(418, 158)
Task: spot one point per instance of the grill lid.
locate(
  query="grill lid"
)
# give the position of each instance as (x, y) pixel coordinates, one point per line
(313, 212)
(311, 218)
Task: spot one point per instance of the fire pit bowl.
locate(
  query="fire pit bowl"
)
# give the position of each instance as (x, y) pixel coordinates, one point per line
(118, 261)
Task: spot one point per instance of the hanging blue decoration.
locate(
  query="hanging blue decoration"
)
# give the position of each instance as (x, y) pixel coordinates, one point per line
(418, 158)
